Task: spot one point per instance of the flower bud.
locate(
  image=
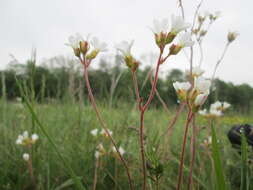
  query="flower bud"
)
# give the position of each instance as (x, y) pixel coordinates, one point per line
(93, 54)
(170, 37)
(84, 47)
(202, 32)
(77, 52)
(232, 36)
(174, 49)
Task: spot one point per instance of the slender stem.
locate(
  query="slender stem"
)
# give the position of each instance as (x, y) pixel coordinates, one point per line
(30, 169)
(173, 121)
(159, 97)
(219, 61)
(182, 8)
(180, 173)
(95, 174)
(193, 153)
(152, 93)
(93, 102)
(141, 139)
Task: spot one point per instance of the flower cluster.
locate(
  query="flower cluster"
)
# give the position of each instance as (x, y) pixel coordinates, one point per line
(101, 150)
(96, 132)
(216, 109)
(81, 47)
(25, 140)
(194, 94)
(164, 36)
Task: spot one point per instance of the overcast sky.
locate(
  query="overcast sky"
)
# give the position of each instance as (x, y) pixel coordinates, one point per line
(46, 25)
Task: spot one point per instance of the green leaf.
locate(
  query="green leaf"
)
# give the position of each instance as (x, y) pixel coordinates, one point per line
(221, 184)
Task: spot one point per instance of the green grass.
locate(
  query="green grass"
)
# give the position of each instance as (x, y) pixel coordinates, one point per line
(69, 126)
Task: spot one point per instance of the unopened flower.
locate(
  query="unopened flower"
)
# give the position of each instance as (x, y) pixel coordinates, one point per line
(232, 36)
(178, 24)
(94, 132)
(26, 156)
(196, 72)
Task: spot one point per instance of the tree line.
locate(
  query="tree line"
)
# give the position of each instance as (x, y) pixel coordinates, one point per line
(61, 79)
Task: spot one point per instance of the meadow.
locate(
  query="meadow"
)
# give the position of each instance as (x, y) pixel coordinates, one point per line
(70, 126)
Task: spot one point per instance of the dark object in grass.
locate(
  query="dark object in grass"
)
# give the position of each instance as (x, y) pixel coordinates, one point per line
(234, 135)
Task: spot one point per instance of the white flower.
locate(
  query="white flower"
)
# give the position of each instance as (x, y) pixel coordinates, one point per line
(19, 139)
(121, 150)
(25, 134)
(74, 41)
(35, 137)
(196, 72)
(200, 99)
(103, 132)
(208, 141)
(97, 154)
(217, 14)
(100, 46)
(185, 40)
(226, 105)
(216, 112)
(160, 26)
(26, 156)
(216, 106)
(178, 24)
(184, 86)
(94, 132)
(124, 47)
(203, 112)
(202, 85)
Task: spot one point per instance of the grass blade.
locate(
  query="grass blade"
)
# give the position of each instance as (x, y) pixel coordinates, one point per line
(221, 184)
(244, 164)
(76, 181)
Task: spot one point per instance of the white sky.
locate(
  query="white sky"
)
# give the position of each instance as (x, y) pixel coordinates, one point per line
(47, 24)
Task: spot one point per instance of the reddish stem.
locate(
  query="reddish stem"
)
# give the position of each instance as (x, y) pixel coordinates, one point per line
(193, 153)
(180, 173)
(93, 102)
